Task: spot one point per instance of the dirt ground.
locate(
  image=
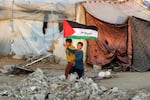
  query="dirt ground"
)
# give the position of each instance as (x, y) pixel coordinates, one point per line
(131, 81)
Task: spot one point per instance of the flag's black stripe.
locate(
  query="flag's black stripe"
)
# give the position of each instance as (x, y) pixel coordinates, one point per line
(77, 25)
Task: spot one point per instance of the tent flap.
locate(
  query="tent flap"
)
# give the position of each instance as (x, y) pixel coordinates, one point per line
(111, 45)
(141, 44)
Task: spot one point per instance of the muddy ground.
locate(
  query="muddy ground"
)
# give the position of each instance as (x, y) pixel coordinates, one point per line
(131, 81)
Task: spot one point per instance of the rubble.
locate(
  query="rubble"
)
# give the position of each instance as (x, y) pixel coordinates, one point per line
(37, 86)
(16, 69)
(8, 68)
(141, 95)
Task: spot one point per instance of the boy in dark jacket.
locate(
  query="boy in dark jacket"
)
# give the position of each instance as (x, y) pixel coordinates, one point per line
(78, 66)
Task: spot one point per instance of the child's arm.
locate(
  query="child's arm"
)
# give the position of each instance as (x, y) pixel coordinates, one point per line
(71, 50)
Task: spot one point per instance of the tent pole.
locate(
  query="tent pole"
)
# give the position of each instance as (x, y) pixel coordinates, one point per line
(12, 16)
(52, 20)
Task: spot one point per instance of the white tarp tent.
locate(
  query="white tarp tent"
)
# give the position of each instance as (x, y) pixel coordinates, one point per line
(21, 24)
(115, 12)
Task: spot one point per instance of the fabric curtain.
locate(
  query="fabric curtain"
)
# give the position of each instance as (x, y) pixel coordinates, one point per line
(141, 44)
(113, 43)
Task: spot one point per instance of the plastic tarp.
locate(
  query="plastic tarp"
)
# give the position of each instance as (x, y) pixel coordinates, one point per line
(106, 12)
(27, 37)
(43, 1)
(36, 11)
(141, 44)
(117, 13)
(5, 38)
(22, 23)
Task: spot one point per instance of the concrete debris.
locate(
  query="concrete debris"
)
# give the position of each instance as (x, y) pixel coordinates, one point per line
(39, 97)
(8, 68)
(142, 95)
(30, 58)
(37, 86)
(16, 69)
(72, 77)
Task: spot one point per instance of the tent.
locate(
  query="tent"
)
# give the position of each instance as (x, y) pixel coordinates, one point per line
(123, 33)
(31, 26)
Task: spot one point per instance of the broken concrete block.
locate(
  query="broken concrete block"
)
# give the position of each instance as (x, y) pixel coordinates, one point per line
(115, 89)
(97, 68)
(141, 95)
(8, 68)
(62, 77)
(72, 77)
(94, 86)
(39, 96)
(33, 88)
(103, 88)
(54, 86)
(3, 71)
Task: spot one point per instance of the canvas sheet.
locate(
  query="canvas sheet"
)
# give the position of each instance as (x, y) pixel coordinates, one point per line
(113, 45)
(117, 13)
(106, 12)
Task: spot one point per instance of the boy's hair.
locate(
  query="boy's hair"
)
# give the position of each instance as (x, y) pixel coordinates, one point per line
(80, 43)
(69, 40)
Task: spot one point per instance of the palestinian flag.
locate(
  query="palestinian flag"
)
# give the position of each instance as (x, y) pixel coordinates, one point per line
(75, 30)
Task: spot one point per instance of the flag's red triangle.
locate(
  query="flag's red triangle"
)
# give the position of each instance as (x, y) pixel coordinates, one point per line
(67, 29)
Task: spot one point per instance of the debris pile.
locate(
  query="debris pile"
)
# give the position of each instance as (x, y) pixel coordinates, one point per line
(39, 87)
(142, 95)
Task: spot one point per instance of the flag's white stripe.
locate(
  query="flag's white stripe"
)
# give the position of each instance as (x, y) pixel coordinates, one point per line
(85, 32)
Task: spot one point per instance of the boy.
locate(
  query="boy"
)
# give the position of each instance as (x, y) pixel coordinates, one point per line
(78, 67)
(69, 56)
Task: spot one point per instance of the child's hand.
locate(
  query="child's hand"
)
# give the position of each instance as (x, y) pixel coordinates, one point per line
(65, 45)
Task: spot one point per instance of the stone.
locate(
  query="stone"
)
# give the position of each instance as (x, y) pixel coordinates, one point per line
(62, 77)
(54, 86)
(115, 89)
(94, 85)
(72, 77)
(3, 71)
(8, 68)
(39, 96)
(103, 88)
(33, 88)
(141, 95)
(97, 67)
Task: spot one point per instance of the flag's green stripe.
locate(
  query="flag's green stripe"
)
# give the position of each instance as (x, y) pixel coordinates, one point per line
(82, 37)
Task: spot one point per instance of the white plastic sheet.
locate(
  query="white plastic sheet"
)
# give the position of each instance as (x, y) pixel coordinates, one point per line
(37, 11)
(27, 37)
(43, 1)
(106, 12)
